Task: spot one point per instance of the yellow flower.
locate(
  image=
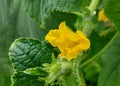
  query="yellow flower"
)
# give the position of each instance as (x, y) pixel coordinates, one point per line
(101, 16)
(69, 43)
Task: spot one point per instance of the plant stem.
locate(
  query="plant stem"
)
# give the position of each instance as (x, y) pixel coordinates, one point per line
(78, 72)
(93, 6)
(80, 78)
(79, 14)
(97, 56)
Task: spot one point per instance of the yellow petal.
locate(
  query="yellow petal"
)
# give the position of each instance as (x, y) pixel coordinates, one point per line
(71, 54)
(102, 17)
(53, 37)
(69, 43)
(84, 43)
(67, 33)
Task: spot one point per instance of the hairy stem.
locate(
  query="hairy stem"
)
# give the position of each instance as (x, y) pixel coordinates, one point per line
(78, 72)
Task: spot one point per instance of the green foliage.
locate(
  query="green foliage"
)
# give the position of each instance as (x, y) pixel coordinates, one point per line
(112, 11)
(14, 23)
(5, 72)
(26, 80)
(40, 10)
(110, 75)
(99, 41)
(28, 54)
(7, 34)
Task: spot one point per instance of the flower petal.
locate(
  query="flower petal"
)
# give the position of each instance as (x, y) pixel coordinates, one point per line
(53, 37)
(67, 33)
(102, 17)
(69, 43)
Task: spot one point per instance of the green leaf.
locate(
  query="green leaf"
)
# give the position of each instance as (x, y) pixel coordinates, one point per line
(35, 71)
(112, 11)
(28, 53)
(40, 10)
(110, 74)
(22, 79)
(27, 56)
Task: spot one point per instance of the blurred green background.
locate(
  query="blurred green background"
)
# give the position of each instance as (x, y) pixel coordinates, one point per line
(14, 23)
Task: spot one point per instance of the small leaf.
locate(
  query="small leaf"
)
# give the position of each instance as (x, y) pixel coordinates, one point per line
(28, 53)
(35, 71)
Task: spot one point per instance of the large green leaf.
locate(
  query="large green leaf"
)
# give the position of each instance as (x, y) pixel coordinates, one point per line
(110, 75)
(40, 10)
(112, 11)
(28, 53)
(26, 27)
